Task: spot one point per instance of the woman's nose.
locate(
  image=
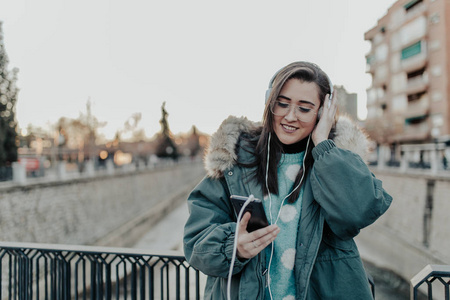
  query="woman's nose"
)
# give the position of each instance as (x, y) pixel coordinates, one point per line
(290, 116)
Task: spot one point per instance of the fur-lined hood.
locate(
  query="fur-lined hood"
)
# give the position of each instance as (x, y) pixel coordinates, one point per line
(221, 154)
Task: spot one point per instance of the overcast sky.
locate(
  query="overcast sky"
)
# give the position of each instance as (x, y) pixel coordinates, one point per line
(206, 59)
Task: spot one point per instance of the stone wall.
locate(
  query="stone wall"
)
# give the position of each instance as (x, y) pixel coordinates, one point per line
(87, 211)
(414, 231)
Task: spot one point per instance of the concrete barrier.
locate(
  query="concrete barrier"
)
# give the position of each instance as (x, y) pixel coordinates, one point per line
(414, 231)
(87, 211)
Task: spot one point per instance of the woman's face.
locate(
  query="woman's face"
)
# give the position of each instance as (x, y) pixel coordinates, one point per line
(288, 128)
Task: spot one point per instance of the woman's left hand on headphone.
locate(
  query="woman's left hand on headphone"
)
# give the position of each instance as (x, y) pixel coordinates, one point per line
(327, 119)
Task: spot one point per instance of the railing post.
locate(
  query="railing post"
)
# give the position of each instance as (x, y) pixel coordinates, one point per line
(429, 274)
(93, 283)
(89, 168)
(404, 162)
(133, 282)
(383, 152)
(19, 173)
(108, 292)
(109, 167)
(434, 161)
(61, 170)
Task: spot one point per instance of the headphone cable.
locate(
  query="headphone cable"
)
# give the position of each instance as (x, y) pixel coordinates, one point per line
(250, 199)
(236, 234)
(282, 202)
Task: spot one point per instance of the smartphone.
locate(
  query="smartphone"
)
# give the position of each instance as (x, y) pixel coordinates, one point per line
(258, 219)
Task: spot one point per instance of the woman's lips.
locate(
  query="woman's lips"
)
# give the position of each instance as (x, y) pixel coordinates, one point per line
(289, 128)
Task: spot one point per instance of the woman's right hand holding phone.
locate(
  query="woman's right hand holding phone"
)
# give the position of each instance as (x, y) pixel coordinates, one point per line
(249, 244)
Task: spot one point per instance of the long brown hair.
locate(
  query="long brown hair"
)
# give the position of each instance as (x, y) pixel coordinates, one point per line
(306, 72)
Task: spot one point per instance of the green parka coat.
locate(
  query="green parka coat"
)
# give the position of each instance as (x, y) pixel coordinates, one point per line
(341, 196)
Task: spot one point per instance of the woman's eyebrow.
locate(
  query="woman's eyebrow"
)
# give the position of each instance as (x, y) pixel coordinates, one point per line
(301, 101)
(284, 97)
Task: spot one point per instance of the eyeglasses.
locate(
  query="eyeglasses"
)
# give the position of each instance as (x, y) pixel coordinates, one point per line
(304, 114)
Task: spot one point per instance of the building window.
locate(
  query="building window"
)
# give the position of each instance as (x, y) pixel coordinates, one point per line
(416, 96)
(416, 73)
(408, 6)
(415, 120)
(412, 50)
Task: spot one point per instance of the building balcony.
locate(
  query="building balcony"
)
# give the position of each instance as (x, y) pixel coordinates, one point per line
(414, 62)
(411, 11)
(418, 108)
(418, 10)
(415, 131)
(417, 84)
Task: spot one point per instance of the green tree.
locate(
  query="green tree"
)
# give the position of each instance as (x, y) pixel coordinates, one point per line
(8, 99)
(166, 147)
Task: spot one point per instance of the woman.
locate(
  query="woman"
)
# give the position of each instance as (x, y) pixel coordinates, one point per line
(318, 193)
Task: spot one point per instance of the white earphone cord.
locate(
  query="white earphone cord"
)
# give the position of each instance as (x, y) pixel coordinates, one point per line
(233, 256)
(250, 199)
(282, 202)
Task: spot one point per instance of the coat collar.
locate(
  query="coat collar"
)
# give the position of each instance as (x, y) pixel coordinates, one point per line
(221, 154)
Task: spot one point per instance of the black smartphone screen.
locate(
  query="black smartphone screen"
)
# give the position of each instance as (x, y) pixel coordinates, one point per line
(258, 219)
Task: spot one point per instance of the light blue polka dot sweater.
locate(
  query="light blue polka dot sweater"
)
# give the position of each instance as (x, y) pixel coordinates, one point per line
(282, 280)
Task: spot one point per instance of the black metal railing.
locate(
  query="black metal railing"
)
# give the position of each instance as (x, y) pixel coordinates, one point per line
(45, 271)
(428, 275)
(62, 272)
(40, 271)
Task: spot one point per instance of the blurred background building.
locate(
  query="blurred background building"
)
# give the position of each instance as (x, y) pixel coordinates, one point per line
(409, 62)
(348, 102)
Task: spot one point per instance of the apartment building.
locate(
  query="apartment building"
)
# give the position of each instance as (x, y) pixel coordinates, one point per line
(409, 60)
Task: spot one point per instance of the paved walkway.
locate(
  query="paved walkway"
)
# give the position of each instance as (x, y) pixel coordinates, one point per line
(168, 233)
